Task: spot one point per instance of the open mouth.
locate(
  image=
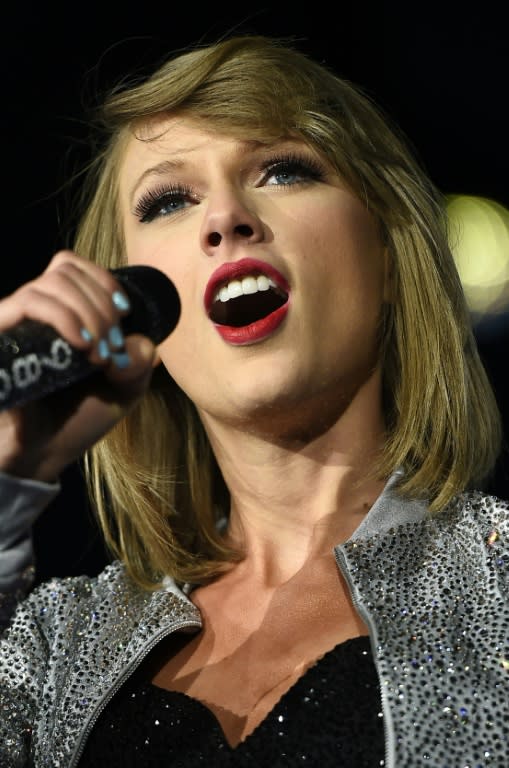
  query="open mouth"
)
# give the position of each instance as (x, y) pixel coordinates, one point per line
(239, 303)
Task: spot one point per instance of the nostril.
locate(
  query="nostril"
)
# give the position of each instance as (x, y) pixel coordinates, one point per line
(214, 238)
(244, 229)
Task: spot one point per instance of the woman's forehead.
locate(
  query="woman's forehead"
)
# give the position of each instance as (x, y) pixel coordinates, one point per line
(185, 127)
(172, 143)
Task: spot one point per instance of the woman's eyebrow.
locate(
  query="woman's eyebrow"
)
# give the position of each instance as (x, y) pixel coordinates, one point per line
(160, 169)
(175, 164)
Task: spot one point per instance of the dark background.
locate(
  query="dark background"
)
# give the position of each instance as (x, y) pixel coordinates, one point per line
(441, 71)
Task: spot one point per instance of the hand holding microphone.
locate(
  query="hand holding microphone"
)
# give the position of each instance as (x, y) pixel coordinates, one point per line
(76, 350)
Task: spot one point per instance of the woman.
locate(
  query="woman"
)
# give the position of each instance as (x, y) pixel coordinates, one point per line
(301, 571)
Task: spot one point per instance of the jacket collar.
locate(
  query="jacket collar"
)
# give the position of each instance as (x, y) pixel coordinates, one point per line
(390, 510)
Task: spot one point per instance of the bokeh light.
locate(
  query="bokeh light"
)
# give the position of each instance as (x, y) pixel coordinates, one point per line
(479, 239)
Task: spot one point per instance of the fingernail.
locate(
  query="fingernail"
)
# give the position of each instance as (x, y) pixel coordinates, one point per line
(85, 334)
(121, 359)
(146, 350)
(103, 349)
(121, 301)
(116, 337)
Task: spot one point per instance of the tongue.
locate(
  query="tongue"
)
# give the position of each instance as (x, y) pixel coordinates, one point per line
(246, 309)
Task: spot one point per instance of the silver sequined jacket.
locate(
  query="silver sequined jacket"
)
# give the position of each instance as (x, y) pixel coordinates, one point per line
(433, 591)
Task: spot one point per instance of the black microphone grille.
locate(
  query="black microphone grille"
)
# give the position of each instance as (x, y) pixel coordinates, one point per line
(155, 303)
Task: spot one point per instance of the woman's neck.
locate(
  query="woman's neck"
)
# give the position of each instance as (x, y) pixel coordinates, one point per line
(292, 500)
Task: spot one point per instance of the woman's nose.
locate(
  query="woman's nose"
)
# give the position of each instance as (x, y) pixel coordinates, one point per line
(228, 223)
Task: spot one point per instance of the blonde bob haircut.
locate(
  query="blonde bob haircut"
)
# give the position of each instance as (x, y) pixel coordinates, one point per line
(153, 479)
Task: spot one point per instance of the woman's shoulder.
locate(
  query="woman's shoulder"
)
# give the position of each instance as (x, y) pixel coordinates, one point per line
(113, 576)
(83, 597)
(110, 597)
(480, 517)
(484, 509)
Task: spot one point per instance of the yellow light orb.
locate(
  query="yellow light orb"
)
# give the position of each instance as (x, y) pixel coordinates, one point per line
(479, 240)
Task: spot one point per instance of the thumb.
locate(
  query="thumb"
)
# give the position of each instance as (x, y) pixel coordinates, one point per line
(131, 368)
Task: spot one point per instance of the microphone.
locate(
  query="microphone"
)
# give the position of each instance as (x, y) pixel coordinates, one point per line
(35, 361)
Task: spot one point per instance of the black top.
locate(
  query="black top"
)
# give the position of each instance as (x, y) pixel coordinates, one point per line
(331, 716)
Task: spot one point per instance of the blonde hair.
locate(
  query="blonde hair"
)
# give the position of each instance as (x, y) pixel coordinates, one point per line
(153, 478)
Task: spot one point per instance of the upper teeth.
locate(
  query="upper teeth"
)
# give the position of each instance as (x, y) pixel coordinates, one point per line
(248, 284)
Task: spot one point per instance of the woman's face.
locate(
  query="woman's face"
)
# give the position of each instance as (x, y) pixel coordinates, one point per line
(279, 267)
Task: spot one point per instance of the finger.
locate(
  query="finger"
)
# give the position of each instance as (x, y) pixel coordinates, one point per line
(84, 320)
(131, 368)
(97, 284)
(30, 302)
(35, 303)
(102, 301)
(100, 275)
(80, 300)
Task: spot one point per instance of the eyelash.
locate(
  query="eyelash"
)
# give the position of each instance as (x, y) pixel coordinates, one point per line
(150, 205)
(304, 165)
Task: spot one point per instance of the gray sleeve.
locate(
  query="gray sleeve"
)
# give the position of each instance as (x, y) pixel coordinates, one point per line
(21, 502)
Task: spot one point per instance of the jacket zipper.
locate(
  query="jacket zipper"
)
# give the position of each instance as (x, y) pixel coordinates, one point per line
(127, 671)
(341, 562)
(389, 740)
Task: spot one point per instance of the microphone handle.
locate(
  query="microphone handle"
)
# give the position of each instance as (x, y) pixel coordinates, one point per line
(35, 361)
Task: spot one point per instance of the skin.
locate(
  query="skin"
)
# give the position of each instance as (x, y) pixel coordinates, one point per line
(40, 439)
(294, 419)
(305, 403)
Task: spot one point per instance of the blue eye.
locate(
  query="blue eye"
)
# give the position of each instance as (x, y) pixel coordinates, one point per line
(287, 171)
(162, 202)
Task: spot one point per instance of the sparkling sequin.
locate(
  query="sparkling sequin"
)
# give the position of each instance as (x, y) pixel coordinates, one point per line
(85, 623)
(444, 687)
(433, 590)
(319, 721)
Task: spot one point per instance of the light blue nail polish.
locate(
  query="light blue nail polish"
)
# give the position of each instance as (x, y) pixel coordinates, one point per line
(121, 359)
(103, 349)
(85, 334)
(121, 301)
(116, 337)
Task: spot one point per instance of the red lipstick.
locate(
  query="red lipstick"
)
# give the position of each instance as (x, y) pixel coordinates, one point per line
(258, 329)
(250, 334)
